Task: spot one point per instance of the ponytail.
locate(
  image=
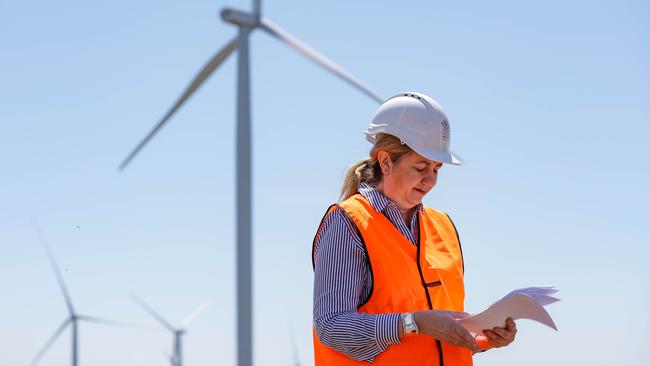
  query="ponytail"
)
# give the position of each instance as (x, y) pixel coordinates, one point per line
(359, 172)
(367, 170)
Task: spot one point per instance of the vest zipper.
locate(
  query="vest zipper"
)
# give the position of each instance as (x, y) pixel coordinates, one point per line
(424, 286)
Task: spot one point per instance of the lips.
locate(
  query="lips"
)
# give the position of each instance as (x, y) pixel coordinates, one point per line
(420, 191)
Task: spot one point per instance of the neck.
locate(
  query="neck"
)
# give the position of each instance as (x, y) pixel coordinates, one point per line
(407, 213)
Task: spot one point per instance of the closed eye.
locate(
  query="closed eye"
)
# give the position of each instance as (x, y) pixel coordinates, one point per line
(422, 170)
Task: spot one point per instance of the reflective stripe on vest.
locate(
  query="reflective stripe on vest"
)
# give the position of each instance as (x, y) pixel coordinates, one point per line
(407, 278)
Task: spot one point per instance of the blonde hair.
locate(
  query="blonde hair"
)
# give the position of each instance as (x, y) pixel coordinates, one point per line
(368, 170)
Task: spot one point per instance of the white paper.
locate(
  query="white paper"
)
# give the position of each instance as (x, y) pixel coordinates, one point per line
(526, 303)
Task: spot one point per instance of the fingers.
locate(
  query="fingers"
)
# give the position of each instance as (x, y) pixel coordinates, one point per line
(493, 336)
(501, 337)
(444, 326)
(466, 340)
(495, 340)
(501, 332)
(507, 332)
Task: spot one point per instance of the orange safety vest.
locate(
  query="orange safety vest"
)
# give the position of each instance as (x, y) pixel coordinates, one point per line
(407, 278)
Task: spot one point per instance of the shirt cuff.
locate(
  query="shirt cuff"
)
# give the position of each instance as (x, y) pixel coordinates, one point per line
(387, 330)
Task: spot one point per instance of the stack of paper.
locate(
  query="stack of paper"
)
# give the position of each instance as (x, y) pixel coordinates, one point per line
(524, 303)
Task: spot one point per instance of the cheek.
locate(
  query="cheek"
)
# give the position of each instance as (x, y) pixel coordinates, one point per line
(407, 181)
(419, 179)
(404, 184)
(412, 180)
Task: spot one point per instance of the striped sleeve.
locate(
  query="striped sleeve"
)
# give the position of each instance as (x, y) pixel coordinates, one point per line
(342, 281)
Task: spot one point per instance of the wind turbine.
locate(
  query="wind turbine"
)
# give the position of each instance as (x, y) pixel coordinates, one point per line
(73, 319)
(246, 23)
(176, 358)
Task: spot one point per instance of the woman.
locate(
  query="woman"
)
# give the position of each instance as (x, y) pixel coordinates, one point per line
(388, 284)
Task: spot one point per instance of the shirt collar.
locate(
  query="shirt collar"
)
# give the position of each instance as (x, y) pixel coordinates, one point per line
(377, 199)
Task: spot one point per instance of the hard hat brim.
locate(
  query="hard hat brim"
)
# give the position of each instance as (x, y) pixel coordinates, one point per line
(445, 157)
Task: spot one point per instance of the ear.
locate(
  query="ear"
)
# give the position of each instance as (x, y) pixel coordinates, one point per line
(385, 163)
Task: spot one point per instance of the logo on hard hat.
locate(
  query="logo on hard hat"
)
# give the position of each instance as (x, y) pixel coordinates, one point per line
(445, 130)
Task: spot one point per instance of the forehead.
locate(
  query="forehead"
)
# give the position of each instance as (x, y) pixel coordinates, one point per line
(415, 158)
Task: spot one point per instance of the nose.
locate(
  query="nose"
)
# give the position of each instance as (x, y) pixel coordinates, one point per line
(430, 179)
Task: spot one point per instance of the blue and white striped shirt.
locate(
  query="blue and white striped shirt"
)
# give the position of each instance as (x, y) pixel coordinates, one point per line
(342, 282)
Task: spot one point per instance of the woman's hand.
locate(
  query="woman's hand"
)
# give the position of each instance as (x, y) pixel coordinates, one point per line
(442, 325)
(501, 337)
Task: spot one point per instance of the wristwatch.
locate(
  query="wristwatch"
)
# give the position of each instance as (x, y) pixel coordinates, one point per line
(409, 323)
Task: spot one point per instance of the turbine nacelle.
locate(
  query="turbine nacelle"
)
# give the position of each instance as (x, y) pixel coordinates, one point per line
(240, 18)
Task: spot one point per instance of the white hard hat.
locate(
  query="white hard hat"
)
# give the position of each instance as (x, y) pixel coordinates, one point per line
(418, 121)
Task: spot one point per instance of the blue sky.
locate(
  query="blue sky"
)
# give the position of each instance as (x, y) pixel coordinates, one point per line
(548, 109)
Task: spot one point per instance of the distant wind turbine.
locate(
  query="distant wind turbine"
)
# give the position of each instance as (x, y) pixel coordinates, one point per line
(73, 318)
(176, 357)
(246, 22)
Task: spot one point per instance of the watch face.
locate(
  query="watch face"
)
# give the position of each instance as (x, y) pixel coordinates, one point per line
(409, 323)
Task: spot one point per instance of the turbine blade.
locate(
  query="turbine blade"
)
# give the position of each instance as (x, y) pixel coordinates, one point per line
(55, 267)
(49, 342)
(203, 75)
(94, 319)
(313, 55)
(153, 313)
(191, 316)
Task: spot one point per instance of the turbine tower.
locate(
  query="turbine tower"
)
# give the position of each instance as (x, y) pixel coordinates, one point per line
(73, 318)
(246, 23)
(176, 359)
(294, 349)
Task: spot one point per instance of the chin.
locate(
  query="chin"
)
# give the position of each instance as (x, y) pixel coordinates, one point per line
(415, 201)
(418, 196)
